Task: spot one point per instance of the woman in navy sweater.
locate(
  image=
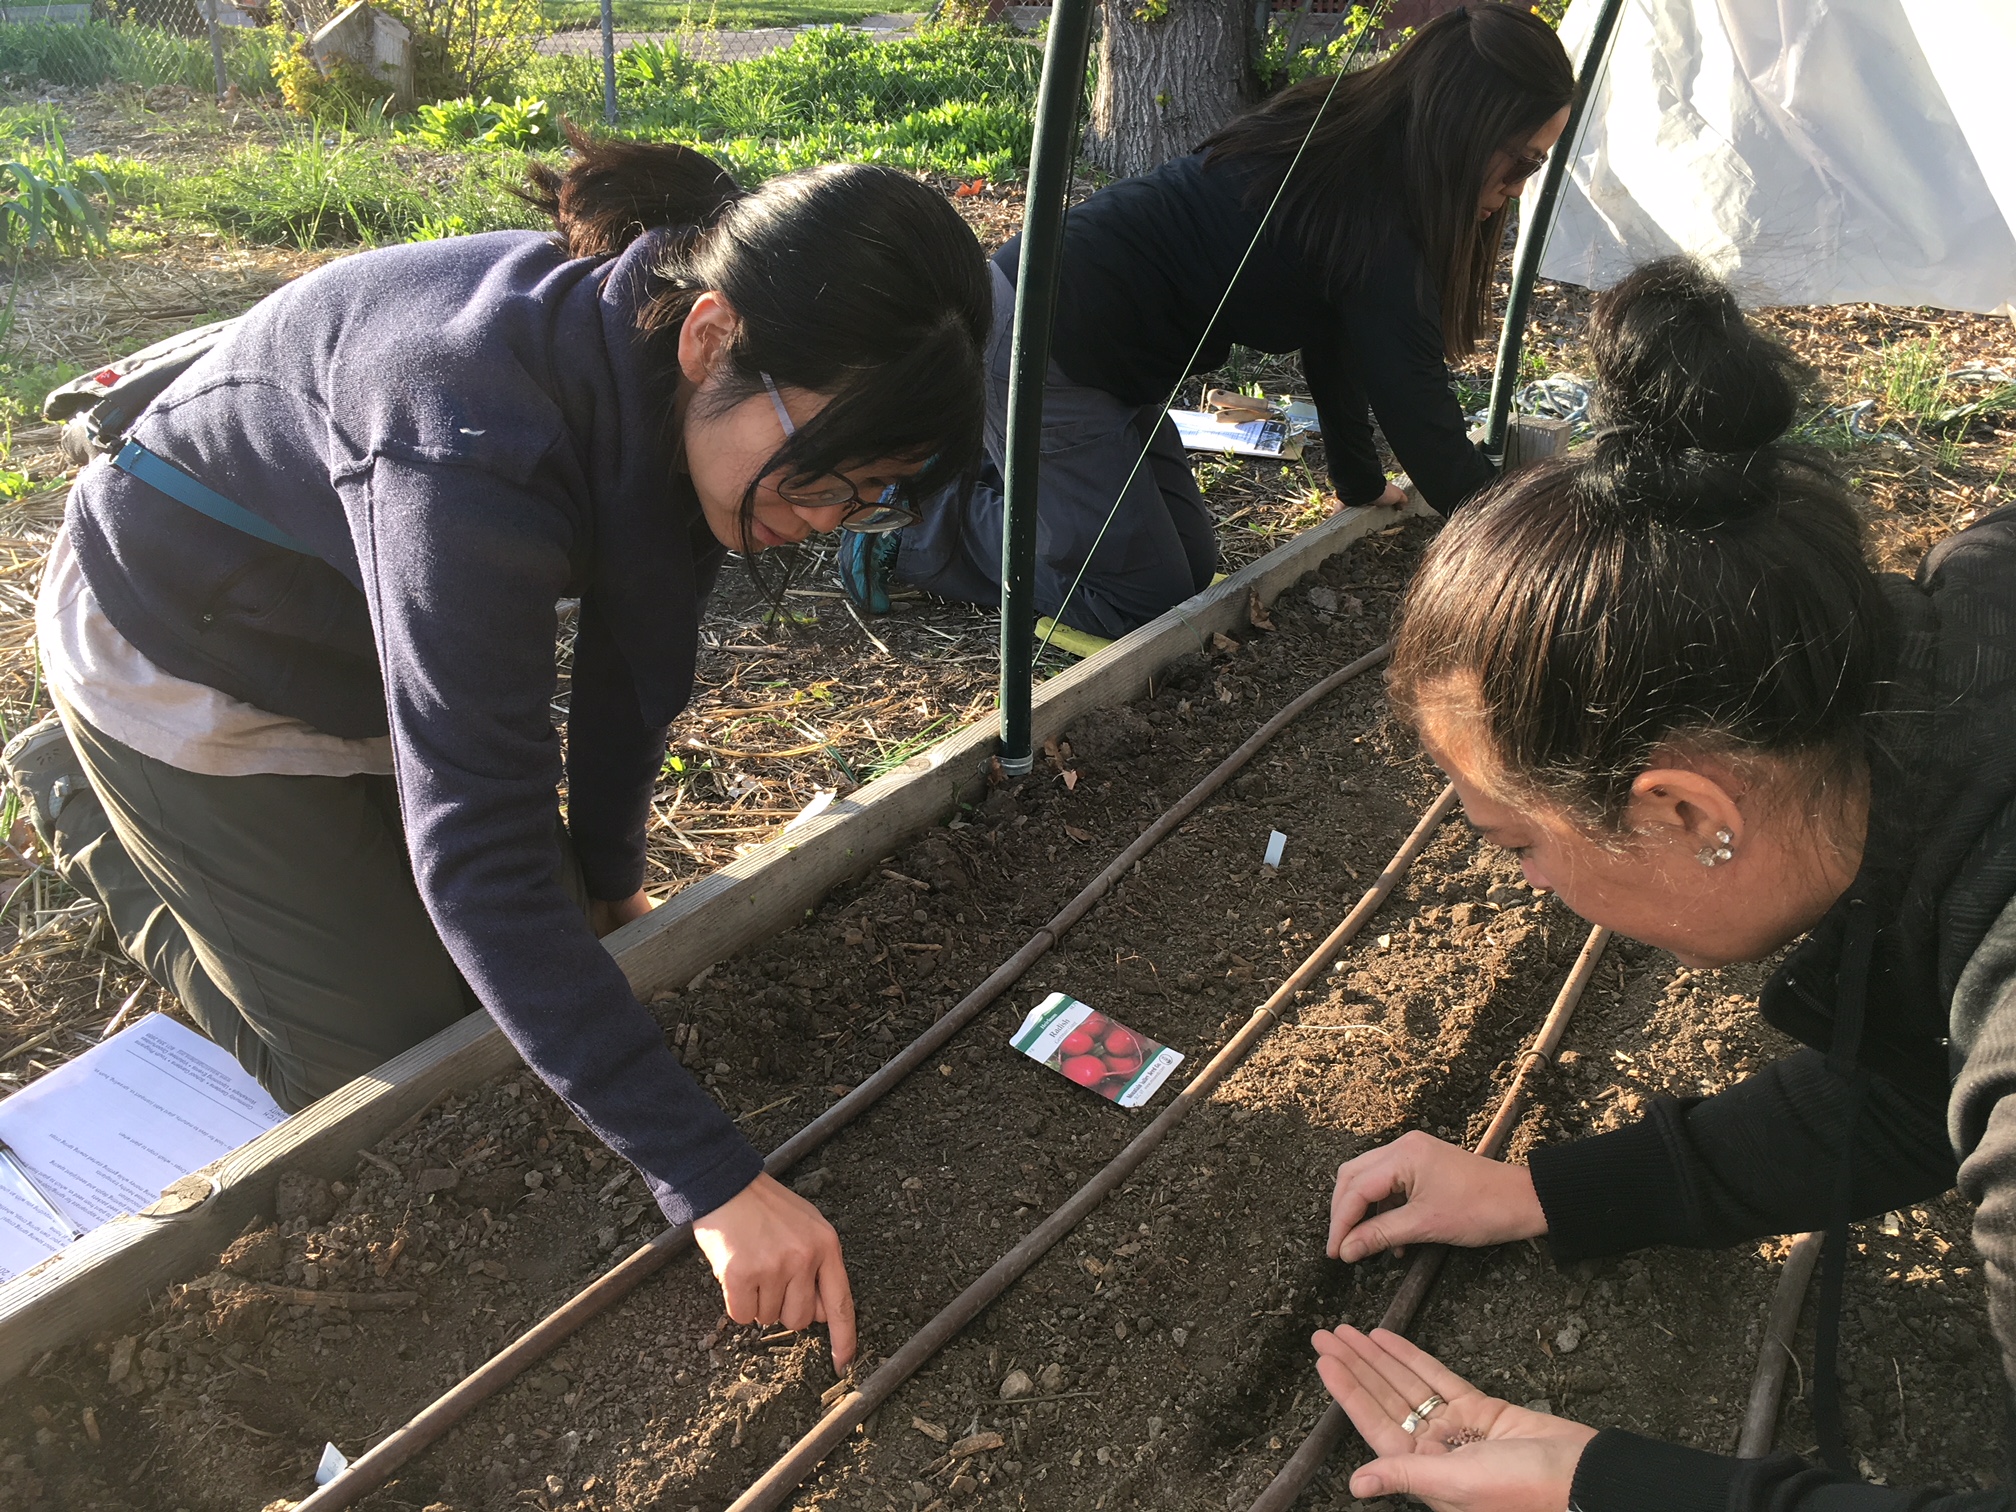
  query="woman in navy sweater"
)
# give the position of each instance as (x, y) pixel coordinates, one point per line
(311, 764)
(1376, 265)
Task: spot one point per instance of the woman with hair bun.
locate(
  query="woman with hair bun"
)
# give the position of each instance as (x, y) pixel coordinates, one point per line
(300, 633)
(1662, 673)
(1394, 185)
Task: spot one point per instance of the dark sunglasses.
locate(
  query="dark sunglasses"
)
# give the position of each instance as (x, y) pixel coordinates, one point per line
(1524, 165)
(831, 491)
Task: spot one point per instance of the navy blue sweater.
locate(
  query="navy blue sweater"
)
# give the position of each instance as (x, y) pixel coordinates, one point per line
(465, 432)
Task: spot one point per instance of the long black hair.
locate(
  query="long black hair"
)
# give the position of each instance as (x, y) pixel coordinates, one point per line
(1687, 579)
(850, 281)
(1403, 148)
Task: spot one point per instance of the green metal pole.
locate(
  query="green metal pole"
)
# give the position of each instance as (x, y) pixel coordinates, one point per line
(1029, 359)
(608, 64)
(1534, 229)
(210, 13)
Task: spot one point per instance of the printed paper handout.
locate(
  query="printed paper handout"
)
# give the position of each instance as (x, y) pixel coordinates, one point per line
(1085, 1046)
(103, 1135)
(1248, 438)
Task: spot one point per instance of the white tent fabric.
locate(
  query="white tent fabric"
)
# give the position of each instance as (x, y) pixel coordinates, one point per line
(1810, 151)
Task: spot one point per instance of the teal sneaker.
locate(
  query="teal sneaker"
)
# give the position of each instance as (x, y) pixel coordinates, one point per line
(866, 564)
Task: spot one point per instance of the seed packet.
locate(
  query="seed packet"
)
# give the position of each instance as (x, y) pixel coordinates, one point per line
(1085, 1046)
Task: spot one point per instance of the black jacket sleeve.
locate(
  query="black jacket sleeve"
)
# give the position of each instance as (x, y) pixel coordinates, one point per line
(1756, 1160)
(1348, 447)
(1621, 1472)
(1690, 1157)
(1392, 346)
(1982, 1122)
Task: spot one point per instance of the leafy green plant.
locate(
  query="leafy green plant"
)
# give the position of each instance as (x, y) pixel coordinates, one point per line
(345, 95)
(1282, 65)
(652, 67)
(45, 196)
(468, 47)
(467, 123)
(439, 228)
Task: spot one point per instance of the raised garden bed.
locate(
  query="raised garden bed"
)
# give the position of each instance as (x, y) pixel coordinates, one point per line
(1166, 1341)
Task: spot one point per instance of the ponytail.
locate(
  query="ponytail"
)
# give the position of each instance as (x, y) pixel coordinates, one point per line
(1689, 578)
(614, 191)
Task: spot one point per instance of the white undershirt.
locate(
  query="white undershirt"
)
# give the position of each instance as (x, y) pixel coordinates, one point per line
(98, 674)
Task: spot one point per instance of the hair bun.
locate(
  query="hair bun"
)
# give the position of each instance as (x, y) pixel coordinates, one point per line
(1678, 366)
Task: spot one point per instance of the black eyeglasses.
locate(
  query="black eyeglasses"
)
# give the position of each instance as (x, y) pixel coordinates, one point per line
(831, 491)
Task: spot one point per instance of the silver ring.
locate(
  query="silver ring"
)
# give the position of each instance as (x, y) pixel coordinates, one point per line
(1413, 1421)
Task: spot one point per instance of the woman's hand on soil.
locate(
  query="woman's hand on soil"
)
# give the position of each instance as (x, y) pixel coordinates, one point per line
(1440, 1195)
(1471, 1453)
(606, 917)
(778, 1262)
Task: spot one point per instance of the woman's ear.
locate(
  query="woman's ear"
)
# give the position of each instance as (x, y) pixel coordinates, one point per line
(705, 335)
(1690, 808)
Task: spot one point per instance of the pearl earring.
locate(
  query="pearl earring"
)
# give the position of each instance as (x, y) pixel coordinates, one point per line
(1716, 854)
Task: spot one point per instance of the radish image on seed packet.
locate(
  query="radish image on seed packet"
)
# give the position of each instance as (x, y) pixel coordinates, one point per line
(1087, 1047)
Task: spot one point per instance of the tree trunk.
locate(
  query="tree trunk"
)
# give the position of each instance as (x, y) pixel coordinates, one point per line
(1171, 72)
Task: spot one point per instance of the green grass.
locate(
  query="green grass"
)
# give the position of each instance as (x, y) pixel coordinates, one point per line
(307, 192)
(728, 15)
(1911, 380)
(954, 100)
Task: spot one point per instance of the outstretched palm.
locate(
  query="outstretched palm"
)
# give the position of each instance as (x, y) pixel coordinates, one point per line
(1468, 1452)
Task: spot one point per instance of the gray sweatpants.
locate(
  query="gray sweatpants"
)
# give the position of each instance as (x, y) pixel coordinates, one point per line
(1158, 549)
(280, 910)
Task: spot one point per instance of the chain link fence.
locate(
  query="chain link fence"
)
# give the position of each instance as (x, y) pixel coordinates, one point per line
(204, 45)
(213, 45)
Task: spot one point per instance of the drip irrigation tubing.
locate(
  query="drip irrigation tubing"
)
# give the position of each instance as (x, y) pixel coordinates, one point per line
(1310, 1454)
(1781, 1323)
(372, 1469)
(784, 1477)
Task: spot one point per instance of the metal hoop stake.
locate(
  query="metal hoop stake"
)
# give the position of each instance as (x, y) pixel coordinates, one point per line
(1029, 361)
(1534, 230)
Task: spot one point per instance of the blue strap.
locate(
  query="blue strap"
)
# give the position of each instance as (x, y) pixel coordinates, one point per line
(158, 472)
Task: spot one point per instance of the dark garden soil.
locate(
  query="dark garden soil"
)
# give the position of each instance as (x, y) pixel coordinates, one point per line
(1158, 1358)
